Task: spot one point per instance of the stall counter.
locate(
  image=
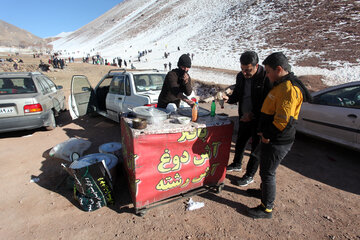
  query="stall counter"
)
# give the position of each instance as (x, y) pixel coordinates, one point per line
(167, 158)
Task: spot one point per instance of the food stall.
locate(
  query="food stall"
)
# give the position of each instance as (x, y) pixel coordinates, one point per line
(167, 158)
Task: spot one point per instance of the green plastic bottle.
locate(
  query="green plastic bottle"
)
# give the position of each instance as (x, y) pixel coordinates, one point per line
(213, 109)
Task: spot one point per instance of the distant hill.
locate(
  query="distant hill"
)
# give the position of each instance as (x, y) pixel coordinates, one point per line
(14, 37)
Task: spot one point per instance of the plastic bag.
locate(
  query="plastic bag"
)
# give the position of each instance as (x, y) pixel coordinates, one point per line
(194, 205)
(92, 185)
(65, 149)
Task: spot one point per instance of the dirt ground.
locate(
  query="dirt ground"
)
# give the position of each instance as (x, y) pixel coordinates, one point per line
(317, 190)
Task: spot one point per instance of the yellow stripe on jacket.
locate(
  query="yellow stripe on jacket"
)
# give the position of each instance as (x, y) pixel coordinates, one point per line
(282, 102)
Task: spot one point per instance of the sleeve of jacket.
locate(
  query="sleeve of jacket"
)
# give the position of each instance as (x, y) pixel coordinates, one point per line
(174, 86)
(260, 97)
(234, 97)
(282, 108)
(186, 87)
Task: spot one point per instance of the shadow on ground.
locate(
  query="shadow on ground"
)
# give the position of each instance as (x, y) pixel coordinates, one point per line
(325, 162)
(56, 179)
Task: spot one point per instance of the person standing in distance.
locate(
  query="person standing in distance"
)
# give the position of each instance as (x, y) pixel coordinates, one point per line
(279, 112)
(177, 84)
(250, 91)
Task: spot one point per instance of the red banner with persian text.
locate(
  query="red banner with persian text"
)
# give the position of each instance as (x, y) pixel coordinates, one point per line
(160, 166)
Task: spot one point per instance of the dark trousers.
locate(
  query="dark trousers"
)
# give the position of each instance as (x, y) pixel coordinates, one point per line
(270, 158)
(246, 131)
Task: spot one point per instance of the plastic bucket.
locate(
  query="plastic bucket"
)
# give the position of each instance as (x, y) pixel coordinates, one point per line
(110, 161)
(113, 148)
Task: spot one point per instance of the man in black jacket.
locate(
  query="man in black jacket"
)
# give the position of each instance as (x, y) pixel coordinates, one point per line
(250, 91)
(177, 83)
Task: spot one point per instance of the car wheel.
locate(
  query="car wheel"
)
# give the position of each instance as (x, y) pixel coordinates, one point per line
(52, 122)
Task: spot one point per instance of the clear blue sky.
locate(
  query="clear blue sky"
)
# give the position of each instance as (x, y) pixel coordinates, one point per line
(49, 18)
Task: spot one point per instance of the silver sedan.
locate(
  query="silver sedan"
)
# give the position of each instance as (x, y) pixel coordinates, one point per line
(333, 115)
(29, 100)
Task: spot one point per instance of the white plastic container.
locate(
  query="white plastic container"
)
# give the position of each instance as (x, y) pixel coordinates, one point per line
(110, 161)
(184, 120)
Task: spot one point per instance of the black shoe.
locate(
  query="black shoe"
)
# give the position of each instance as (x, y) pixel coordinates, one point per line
(259, 212)
(244, 181)
(254, 192)
(233, 167)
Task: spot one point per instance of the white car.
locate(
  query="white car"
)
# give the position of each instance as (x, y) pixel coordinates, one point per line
(333, 115)
(119, 91)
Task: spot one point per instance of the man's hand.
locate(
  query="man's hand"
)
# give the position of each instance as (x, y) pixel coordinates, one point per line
(225, 98)
(186, 78)
(190, 102)
(247, 117)
(264, 140)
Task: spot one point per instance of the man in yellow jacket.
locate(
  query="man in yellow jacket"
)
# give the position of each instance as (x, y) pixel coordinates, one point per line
(278, 113)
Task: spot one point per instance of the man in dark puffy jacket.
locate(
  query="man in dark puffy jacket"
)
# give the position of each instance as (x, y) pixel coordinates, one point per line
(177, 83)
(250, 91)
(279, 111)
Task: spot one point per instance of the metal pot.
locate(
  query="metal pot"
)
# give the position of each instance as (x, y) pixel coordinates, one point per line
(151, 114)
(139, 123)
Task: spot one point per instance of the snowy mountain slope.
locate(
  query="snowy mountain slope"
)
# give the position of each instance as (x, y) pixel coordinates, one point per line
(311, 33)
(152, 22)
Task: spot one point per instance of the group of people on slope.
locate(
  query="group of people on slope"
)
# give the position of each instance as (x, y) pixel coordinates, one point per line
(269, 99)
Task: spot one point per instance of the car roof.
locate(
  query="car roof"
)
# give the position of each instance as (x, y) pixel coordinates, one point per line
(19, 74)
(349, 84)
(134, 71)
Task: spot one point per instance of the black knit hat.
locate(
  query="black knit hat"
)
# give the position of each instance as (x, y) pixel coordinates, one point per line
(184, 61)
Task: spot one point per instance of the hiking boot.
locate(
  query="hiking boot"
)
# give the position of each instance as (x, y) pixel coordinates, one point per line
(244, 181)
(233, 167)
(259, 212)
(254, 192)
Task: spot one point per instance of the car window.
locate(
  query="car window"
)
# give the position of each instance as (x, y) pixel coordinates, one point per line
(16, 86)
(127, 86)
(50, 83)
(80, 85)
(106, 82)
(29, 85)
(42, 87)
(117, 86)
(146, 82)
(45, 88)
(157, 80)
(343, 97)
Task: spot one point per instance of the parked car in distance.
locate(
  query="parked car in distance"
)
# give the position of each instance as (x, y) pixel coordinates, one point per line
(29, 100)
(119, 91)
(333, 115)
